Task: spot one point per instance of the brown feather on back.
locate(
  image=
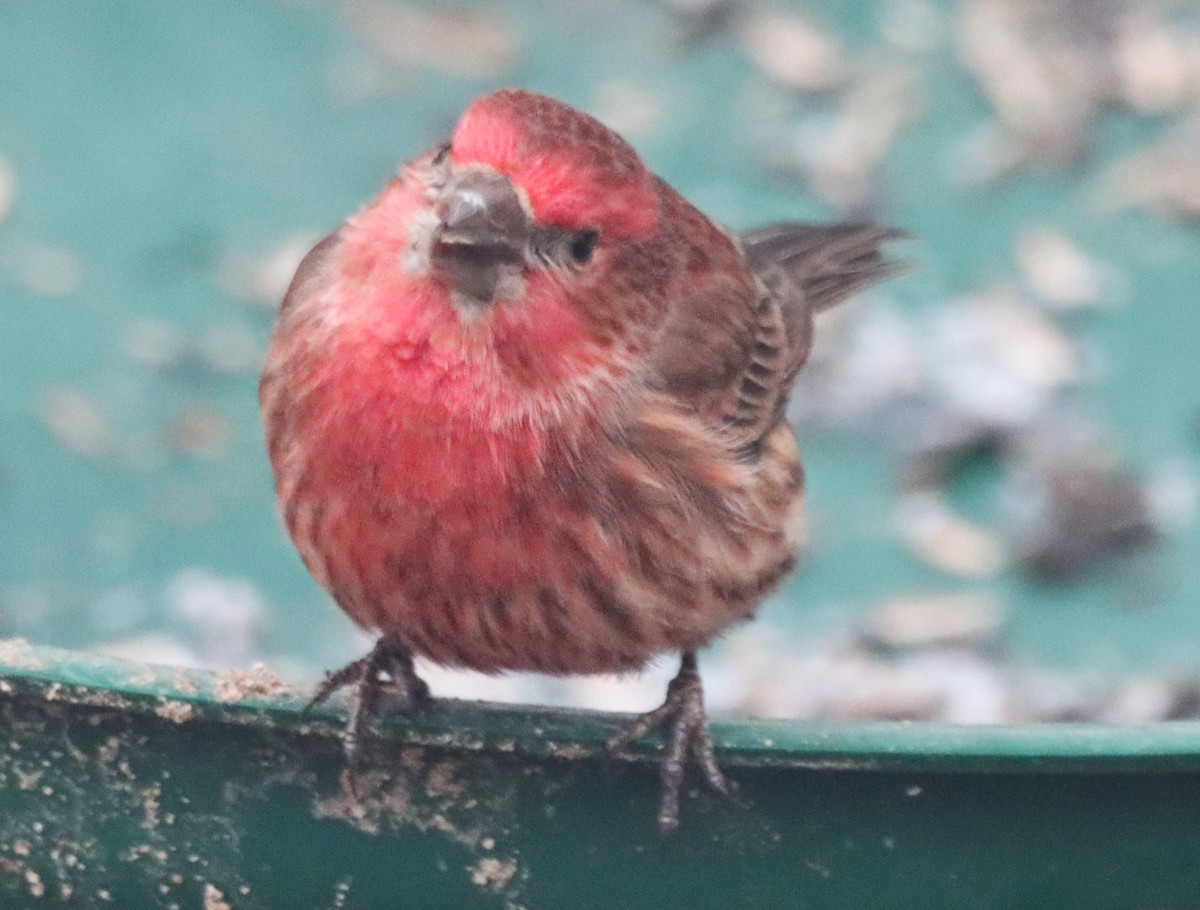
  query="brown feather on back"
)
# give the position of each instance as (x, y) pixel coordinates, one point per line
(827, 262)
(741, 326)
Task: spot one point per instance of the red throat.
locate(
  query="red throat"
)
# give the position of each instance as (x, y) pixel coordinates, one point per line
(434, 400)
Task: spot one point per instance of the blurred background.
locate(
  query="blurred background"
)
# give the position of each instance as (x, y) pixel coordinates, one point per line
(1003, 447)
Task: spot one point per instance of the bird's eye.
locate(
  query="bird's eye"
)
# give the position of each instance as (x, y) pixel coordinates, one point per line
(442, 154)
(583, 244)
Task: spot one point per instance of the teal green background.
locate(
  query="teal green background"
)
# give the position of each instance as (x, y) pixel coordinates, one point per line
(147, 138)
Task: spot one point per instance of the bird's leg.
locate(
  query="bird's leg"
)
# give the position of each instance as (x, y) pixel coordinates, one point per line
(685, 726)
(389, 670)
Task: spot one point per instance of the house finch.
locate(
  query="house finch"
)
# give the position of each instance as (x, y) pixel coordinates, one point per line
(525, 412)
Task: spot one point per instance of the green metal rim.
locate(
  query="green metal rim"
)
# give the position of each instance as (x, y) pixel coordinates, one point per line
(187, 695)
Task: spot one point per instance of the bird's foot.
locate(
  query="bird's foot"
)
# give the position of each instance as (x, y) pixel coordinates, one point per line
(685, 726)
(387, 671)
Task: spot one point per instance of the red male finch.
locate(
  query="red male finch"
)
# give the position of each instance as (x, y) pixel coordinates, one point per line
(525, 412)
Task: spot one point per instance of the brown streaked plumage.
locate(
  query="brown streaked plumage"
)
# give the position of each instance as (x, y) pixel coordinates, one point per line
(525, 412)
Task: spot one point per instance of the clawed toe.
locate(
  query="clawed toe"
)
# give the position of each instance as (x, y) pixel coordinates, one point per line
(685, 727)
(386, 672)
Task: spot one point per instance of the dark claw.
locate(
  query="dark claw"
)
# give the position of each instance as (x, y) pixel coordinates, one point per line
(338, 679)
(685, 726)
(387, 670)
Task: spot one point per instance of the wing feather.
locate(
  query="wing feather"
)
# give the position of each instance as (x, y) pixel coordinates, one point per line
(737, 337)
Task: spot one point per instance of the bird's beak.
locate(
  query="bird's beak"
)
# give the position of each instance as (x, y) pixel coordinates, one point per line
(481, 227)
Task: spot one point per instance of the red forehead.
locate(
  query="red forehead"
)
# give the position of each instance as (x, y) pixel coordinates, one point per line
(576, 172)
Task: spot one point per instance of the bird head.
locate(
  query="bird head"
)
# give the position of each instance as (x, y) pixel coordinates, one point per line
(532, 238)
(529, 189)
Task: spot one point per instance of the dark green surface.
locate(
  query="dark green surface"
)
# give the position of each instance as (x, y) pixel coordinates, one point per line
(104, 794)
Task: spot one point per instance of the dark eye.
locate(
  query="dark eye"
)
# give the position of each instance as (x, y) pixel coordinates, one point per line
(442, 154)
(582, 246)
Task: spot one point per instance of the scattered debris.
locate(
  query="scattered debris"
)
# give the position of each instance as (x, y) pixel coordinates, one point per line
(1057, 272)
(985, 155)
(16, 652)
(1163, 178)
(262, 278)
(200, 432)
(996, 360)
(1157, 67)
(493, 874)
(629, 109)
(1047, 68)
(470, 43)
(1041, 695)
(939, 620)
(793, 51)
(177, 712)
(476, 813)
(841, 156)
(77, 422)
(42, 268)
(1172, 496)
(700, 20)
(222, 350)
(1142, 700)
(1074, 509)
(940, 679)
(225, 617)
(214, 899)
(258, 682)
(843, 681)
(960, 372)
(36, 887)
(936, 535)
(1036, 71)
(155, 344)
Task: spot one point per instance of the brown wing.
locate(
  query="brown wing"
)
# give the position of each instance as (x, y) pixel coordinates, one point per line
(288, 345)
(309, 270)
(742, 328)
(828, 263)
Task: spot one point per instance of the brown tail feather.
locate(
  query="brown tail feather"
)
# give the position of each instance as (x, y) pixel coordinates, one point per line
(828, 262)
